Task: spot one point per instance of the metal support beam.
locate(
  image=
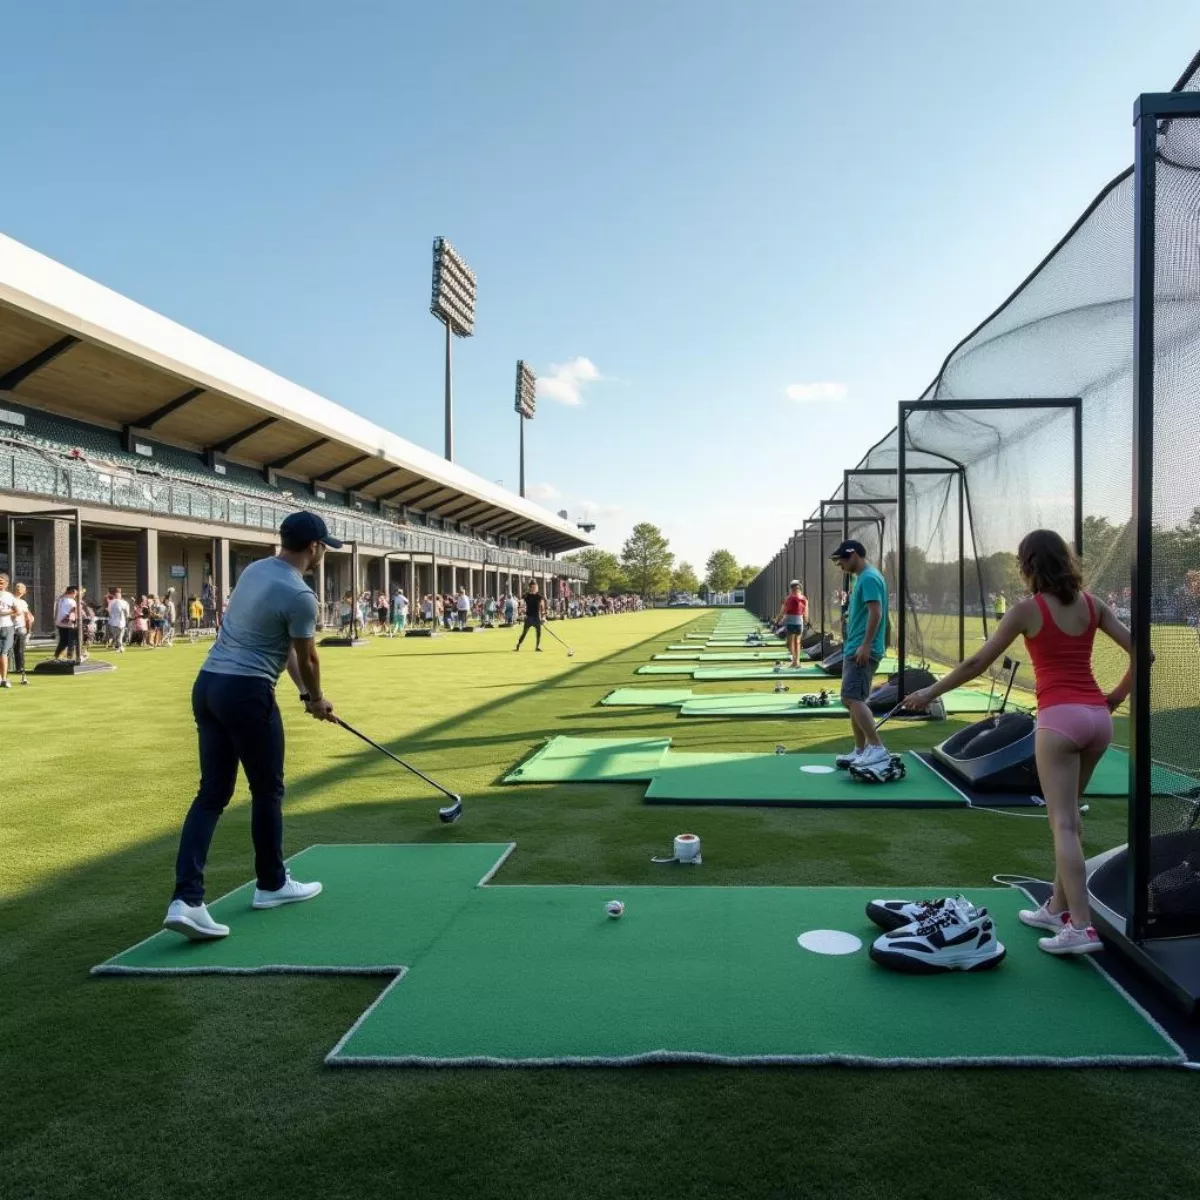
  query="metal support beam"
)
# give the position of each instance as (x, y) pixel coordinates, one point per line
(163, 411)
(366, 483)
(328, 475)
(287, 460)
(17, 375)
(229, 443)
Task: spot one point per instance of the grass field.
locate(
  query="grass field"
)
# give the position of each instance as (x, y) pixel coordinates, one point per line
(214, 1087)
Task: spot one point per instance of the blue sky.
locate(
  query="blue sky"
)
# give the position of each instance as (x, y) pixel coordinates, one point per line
(675, 211)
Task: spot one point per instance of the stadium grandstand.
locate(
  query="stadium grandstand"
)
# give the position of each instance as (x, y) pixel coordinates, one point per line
(182, 458)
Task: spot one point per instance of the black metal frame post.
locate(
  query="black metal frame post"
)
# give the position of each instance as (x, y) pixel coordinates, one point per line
(521, 418)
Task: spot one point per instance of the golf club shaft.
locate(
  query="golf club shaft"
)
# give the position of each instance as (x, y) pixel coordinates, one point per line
(555, 636)
(407, 766)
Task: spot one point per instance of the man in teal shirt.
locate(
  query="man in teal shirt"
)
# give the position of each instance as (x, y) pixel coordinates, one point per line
(866, 623)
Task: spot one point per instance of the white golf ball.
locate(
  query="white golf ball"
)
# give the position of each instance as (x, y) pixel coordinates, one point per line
(615, 909)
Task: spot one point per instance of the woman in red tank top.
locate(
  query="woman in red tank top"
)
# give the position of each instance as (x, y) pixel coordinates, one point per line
(1074, 719)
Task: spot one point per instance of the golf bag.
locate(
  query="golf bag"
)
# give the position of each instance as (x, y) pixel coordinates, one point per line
(885, 697)
(821, 649)
(883, 773)
(834, 664)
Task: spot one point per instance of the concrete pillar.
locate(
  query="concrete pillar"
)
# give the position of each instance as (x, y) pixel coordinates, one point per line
(320, 580)
(51, 569)
(222, 584)
(147, 561)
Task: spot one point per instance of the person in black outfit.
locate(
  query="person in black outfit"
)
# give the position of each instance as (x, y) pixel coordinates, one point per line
(535, 602)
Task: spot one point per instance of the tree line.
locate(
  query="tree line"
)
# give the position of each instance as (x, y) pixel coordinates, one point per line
(646, 567)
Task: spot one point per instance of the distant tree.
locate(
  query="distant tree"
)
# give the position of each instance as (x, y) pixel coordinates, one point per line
(722, 571)
(605, 576)
(683, 579)
(646, 558)
(745, 575)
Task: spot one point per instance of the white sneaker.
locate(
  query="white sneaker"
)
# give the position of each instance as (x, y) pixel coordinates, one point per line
(1042, 918)
(292, 892)
(873, 756)
(844, 761)
(1069, 940)
(193, 921)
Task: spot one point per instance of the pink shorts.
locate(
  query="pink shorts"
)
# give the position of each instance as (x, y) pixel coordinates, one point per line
(1088, 726)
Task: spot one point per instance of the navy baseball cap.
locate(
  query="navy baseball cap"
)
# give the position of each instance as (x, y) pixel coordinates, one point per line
(848, 548)
(307, 527)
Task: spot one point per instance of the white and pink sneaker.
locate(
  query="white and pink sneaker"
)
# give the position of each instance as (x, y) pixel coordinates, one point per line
(1069, 940)
(1043, 918)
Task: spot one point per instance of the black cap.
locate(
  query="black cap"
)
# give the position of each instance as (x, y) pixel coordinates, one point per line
(848, 548)
(305, 527)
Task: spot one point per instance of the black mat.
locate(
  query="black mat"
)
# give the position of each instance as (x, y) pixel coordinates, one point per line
(975, 797)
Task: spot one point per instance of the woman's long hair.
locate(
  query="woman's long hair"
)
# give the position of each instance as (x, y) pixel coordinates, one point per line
(1050, 565)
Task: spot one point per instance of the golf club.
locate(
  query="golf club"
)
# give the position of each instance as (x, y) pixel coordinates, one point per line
(547, 629)
(447, 814)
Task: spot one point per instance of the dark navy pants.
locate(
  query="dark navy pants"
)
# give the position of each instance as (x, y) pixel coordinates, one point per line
(536, 626)
(237, 721)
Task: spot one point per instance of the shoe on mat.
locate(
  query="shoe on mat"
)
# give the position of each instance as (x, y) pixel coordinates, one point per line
(874, 756)
(1042, 918)
(959, 937)
(1069, 940)
(900, 914)
(843, 762)
(193, 921)
(292, 892)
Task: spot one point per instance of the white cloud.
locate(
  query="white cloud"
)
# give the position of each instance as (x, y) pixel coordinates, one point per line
(564, 382)
(801, 392)
(592, 509)
(543, 491)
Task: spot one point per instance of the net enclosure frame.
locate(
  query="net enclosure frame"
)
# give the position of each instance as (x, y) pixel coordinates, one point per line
(1165, 945)
(905, 447)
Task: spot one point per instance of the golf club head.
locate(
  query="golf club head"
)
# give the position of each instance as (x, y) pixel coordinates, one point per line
(451, 812)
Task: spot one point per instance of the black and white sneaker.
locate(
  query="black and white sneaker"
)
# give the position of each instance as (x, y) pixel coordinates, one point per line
(899, 914)
(958, 938)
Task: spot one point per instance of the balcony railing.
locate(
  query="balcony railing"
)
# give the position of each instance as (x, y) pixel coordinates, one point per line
(79, 483)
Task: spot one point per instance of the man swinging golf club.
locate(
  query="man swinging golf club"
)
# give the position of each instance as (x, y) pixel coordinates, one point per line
(269, 624)
(866, 623)
(535, 604)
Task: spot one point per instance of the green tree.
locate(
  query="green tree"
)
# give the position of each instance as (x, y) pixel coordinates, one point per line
(646, 558)
(683, 579)
(721, 571)
(604, 570)
(745, 575)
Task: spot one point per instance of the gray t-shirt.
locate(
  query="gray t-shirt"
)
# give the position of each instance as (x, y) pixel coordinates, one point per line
(270, 605)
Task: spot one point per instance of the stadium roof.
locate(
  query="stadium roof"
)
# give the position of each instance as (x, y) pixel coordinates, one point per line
(77, 348)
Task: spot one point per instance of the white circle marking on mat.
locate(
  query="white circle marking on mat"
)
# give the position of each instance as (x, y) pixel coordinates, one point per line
(829, 941)
(816, 770)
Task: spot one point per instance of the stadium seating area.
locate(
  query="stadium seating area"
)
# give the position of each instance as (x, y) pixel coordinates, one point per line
(70, 460)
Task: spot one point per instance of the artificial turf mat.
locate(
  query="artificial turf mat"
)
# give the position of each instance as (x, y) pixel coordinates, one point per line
(807, 671)
(1111, 778)
(666, 669)
(647, 697)
(566, 759)
(779, 779)
(539, 975)
(768, 704)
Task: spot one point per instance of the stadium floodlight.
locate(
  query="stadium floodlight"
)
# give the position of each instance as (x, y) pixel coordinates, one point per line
(525, 403)
(453, 303)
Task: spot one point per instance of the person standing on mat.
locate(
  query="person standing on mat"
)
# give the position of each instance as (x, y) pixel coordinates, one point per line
(1074, 717)
(535, 604)
(792, 612)
(269, 624)
(866, 623)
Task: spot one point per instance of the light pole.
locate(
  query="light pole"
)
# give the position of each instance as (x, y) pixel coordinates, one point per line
(525, 403)
(453, 303)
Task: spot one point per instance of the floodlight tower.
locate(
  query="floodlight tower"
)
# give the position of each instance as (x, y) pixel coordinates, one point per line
(453, 304)
(525, 403)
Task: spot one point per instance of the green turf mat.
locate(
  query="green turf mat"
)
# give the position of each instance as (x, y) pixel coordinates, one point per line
(585, 760)
(779, 780)
(647, 697)
(666, 669)
(539, 975)
(692, 656)
(342, 929)
(1111, 778)
(768, 704)
(807, 671)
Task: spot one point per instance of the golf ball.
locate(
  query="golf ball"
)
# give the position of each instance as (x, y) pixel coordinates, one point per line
(614, 908)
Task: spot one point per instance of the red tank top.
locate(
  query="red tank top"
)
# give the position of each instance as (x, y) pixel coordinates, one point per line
(1062, 662)
(794, 606)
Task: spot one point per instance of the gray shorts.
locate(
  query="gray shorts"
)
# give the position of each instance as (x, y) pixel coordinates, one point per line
(6, 640)
(856, 680)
